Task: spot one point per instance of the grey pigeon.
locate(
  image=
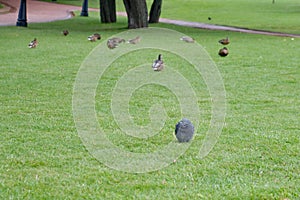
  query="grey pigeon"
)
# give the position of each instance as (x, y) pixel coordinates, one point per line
(184, 130)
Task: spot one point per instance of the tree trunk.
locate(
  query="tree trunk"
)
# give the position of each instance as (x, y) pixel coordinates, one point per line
(155, 11)
(108, 11)
(137, 13)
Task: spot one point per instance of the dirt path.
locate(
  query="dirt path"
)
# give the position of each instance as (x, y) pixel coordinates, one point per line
(38, 11)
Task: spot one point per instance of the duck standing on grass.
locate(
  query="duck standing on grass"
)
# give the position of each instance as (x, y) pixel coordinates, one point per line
(117, 40)
(114, 42)
(33, 43)
(135, 40)
(65, 32)
(223, 52)
(224, 41)
(94, 37)
(111, 45)
(158, 64)
(71, 13)
(187, 39)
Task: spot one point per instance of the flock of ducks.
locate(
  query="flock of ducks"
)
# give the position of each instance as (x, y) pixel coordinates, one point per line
(184, 129)
(114, 42)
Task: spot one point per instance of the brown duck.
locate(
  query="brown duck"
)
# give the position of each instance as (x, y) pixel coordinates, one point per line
(224, 41)
(65, 32)
(33, 43)
(135, 40)
(223, 52)
(114, 42)
(94, 37)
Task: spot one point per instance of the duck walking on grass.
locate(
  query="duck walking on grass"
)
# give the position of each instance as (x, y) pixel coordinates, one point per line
(33, 43)
(158, 64)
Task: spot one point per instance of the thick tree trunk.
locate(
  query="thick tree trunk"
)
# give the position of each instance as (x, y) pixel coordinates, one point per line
(155, 11)
(137, 13)
(108, 11)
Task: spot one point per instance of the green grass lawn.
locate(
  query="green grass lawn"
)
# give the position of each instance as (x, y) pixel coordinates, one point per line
(256, 14)
(42, 156)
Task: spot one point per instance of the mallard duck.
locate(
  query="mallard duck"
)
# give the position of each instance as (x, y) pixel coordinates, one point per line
(111, 44)
(224, 41)
(158, 64)
(72, 13)
(135, 40)
(184, 130)
(187, 39)
(33, 43)
(94, 37)
(65, 32)
(97, 35)
(117, 40)
(223, 52)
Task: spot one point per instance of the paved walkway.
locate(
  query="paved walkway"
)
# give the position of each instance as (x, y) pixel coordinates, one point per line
(38, 11)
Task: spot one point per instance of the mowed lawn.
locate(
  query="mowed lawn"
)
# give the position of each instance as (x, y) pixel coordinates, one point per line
(42, 156)
(255, 14)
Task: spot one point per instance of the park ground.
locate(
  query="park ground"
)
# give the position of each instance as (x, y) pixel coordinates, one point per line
(256, 156)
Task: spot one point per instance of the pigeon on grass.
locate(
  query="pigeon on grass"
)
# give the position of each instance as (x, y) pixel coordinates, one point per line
(184, 130)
